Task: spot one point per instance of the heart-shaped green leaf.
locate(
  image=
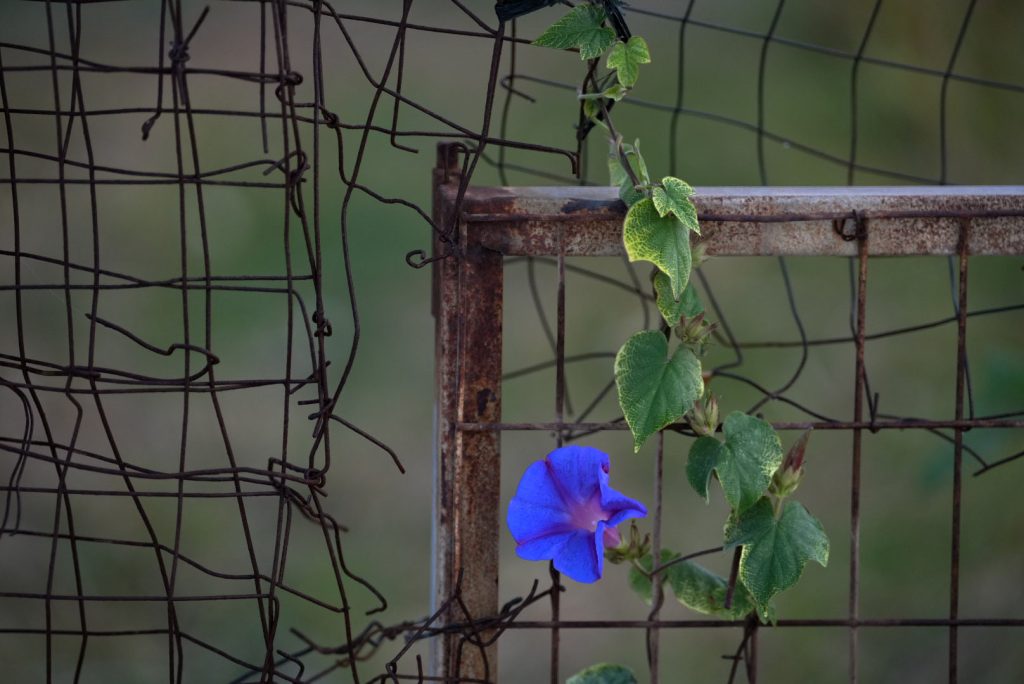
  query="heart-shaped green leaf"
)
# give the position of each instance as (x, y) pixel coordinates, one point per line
(673, 197)
(695, 587)
(655, 390)
(673, 309)
(641, 583)
(745, 463)
(775, 551)
(705, 454)
(581, 28)
(626, 59)
(663, 241)
(603, 673)
(704, 591)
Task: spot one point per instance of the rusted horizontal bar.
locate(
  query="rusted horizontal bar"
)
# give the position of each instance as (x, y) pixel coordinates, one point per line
(966, 424)
(704, 624)
(740, 221)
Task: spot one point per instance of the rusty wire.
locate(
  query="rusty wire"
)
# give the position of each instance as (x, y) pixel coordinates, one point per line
(298, 481)
(297, 176)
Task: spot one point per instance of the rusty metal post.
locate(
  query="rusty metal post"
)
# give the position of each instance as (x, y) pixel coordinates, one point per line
(958, 449)
(860, 388)
(468, 310)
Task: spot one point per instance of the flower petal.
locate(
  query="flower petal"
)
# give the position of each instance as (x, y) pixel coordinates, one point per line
(537, 486)
(537, 508)
(531, 521)
(562, 509)
(626, 514)
(543, 548)
(582, 556)
(578, 472)
(620, 506)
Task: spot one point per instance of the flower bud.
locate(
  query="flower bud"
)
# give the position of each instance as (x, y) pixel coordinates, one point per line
(633, 547)
(787, 477)
(704, 415)
(694, 332)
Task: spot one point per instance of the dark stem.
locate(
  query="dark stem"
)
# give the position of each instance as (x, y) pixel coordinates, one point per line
(616, 138)
(733, 574)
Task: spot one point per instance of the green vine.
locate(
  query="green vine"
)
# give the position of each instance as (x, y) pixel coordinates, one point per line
(659, 385)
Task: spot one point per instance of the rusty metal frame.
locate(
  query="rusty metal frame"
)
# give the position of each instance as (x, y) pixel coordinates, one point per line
(489, 224)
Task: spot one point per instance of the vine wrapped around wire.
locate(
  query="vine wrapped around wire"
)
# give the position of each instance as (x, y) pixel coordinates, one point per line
(773, 536)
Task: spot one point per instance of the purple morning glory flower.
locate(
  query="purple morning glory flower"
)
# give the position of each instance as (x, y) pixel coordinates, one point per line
(564, 511)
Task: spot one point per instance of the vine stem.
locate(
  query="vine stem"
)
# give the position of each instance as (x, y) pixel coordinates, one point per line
(657, 591)
(615, 136)
(734, 572)
(680, 559)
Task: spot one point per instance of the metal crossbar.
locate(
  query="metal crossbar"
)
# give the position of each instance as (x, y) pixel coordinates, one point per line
(496, 224)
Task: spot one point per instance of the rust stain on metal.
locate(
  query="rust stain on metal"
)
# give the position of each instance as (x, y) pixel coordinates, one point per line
(477, 468)
(758, 221)
(468, 305)
(483, 398)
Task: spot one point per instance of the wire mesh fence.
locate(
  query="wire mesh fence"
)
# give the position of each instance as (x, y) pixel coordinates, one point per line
(502, 225)
(175, 407)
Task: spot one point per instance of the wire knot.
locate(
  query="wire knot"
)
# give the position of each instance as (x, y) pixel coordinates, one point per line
(178, 54)
(331, 120)
(852, 227)
(323, 324)
(314, 477)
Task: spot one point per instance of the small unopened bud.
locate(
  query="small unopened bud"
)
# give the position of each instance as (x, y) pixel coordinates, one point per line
(617, 554)
(704, 415)
(640, 543)
(795, 457)
(694, 331)
(787, 477)
(633, 547)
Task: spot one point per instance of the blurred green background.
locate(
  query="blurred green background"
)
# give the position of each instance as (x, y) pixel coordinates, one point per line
(907, 476)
